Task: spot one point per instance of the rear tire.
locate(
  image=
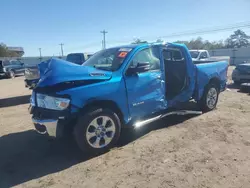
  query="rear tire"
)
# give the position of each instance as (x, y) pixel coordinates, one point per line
(210, 97)
(245, 87)
(97, 131)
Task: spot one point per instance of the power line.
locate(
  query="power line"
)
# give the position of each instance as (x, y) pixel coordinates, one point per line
(184, 33)
(201, 31)
(104, 38)
(211, 30)
(61, 48)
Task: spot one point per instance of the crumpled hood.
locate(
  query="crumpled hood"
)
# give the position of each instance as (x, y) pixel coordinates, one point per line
(244, 68)
(56, 71)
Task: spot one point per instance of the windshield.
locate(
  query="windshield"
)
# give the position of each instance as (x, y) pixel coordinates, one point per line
(6, 63)
(194, 54)
(109, 59)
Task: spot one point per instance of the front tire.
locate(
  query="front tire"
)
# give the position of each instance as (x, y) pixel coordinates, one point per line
(210, 97)
(98, 130)
(11, 74)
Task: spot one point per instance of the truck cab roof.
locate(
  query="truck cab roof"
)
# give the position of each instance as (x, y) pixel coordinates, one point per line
(148, 44)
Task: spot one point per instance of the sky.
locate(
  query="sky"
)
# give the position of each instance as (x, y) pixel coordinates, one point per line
(34, 24)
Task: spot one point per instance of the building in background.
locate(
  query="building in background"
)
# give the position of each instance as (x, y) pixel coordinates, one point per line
(237, 55)
(17, 51)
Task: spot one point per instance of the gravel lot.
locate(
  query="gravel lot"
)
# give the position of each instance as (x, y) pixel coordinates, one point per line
(210, 150)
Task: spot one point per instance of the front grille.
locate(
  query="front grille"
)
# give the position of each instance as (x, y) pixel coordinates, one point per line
(41, 113)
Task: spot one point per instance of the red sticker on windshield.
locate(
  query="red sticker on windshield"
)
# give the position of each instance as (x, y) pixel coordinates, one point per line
(122, 54)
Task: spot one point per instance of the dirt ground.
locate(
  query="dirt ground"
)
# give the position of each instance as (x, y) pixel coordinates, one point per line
(210, 150)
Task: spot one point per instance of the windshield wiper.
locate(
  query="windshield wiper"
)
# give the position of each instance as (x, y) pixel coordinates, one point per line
(102, 68)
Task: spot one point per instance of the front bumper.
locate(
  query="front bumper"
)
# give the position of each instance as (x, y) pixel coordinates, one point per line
(46, 126)
(2, 73)
(31, 84)
(51, 122)
(241, 78)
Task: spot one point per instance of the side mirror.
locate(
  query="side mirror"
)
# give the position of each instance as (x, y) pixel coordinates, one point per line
(141, 67)
(22, 64)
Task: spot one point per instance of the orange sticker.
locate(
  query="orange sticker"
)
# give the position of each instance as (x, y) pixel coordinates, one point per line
(123, 54)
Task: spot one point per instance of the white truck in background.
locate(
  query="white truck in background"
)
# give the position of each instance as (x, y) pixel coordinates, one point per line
(203, 56)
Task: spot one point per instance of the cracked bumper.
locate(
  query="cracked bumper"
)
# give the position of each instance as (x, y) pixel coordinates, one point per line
(46, 126)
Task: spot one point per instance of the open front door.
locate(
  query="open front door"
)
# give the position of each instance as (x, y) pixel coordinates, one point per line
(179, 74)
(145, 89)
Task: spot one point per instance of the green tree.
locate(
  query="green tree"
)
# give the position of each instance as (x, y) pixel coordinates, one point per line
(198, 43)
(237, 40)
(3, 50)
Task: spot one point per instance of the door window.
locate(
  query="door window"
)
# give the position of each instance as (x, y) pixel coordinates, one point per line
(149, 55)
(172, 54)
(16, 63)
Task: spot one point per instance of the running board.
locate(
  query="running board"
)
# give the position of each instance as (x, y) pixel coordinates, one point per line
(180, 112)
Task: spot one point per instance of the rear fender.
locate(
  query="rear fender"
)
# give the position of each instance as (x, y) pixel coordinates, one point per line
(203, 81)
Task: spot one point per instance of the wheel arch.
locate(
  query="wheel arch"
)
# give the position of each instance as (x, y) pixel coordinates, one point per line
(104, 104)
(200, 88)
(216, 81)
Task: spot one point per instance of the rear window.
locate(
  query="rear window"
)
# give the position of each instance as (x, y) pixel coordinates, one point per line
(194, 54)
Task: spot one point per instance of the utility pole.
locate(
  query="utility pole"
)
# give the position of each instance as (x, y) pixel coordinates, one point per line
(104, 38)
(40, 51)
(61, 48)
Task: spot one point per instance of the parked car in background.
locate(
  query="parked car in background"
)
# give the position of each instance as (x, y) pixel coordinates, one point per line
(122, 87)
(241, 73)
(11, 68)
(78, 58)
(203, 56)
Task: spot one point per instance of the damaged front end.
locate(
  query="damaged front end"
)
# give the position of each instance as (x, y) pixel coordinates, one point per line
(53, 113)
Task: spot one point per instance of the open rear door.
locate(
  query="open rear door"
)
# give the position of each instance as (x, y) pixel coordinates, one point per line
(179, 74)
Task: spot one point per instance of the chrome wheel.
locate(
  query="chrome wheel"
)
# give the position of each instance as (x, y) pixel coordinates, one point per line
(211, 98)
(100, 132)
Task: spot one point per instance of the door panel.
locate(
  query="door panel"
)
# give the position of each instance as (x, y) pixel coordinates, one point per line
(17, 67)
(146, 90)
(187, 92)
(145, 93)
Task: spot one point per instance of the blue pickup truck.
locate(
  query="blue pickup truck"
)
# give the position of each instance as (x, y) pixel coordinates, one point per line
(121, 87)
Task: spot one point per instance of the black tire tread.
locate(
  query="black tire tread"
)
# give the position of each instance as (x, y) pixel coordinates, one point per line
(81, 126)
(202, 103)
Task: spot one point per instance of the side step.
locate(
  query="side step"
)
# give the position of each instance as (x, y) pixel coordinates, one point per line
(180, 112)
